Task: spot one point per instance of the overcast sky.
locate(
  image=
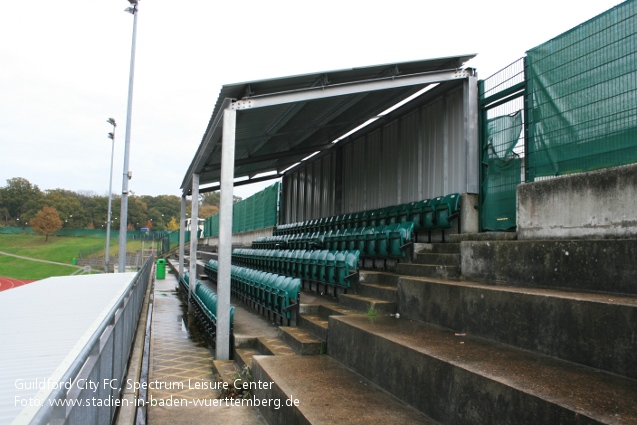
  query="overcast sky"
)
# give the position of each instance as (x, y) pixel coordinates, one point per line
(64, 69)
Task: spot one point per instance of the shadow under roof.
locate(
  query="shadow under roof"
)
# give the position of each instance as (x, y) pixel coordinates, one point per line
(270, 139)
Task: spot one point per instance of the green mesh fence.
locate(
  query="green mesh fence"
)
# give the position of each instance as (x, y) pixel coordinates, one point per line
(256, 212)
(86, 233)
(582, 93)
(503, 172)
(501, 109)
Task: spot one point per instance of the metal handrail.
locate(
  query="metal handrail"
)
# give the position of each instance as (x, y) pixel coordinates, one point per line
(51, 413)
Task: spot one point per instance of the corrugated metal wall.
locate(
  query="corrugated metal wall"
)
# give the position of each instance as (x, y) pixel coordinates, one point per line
(420, 155)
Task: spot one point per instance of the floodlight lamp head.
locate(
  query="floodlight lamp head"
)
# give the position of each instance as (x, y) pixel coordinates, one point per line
(111, 121)
(111, 136)
(133, 7)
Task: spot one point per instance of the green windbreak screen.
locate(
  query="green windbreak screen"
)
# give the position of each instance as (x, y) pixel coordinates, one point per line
(87, 233)
(502, 171)
(256, 212)
(582, 93)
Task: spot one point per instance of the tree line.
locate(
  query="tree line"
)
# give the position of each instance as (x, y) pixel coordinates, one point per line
(20, 202)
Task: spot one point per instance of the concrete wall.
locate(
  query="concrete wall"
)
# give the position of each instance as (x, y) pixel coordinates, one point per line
(590, 265)
(243, 238)
(595, 205)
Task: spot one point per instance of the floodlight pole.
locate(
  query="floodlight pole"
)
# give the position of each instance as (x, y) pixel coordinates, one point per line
(123, 222)
(107, 254)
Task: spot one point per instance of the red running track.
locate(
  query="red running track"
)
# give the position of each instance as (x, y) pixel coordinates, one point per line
(8, 283)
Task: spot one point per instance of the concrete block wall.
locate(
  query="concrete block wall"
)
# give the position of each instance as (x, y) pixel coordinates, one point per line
(243, 238)
(595, 205)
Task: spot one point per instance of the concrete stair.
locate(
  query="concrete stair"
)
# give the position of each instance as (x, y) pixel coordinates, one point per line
(460, 379)
(368, 304)
(302, 341)
(327, 393)
(441, 260)
(461, 352)
(592, 329)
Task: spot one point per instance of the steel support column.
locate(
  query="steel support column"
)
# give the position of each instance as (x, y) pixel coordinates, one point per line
(472, 141)
(225, 235)
(194, 227)
(182, 236)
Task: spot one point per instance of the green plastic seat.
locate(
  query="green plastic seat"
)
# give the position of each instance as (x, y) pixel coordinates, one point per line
(330, 267)
(288, 265)
(305, 274)
(399, 237)
(373, 217)
(447, 209)
(382, 216)
(361, 240)
(321, 265)
(313, 271)
(382, 239)
(402, 213)
(297, 263)
(429, 214)
(370, 241)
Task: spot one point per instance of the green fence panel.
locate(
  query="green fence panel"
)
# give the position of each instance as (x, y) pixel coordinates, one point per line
(582, 93)
(87, 233)
(271, 204)
(256, 212)
(502, 172)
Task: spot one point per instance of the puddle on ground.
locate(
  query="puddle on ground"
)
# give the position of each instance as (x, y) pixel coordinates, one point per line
(192, 332)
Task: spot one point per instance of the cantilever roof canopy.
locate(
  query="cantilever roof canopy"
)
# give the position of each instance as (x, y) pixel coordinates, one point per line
(282, 121)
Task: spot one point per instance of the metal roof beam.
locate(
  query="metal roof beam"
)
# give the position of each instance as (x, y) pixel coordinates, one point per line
(205, 149)
(317, 93)
(242, 183)
(287, 116)
(270, 157)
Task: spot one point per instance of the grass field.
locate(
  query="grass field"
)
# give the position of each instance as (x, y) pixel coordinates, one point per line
(30, 270)
(58, 249)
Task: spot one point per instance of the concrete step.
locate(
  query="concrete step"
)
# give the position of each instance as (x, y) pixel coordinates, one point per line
(592, 329)
(379, 278)
(243, 357)
(381, 292)
(325, 311)
(366, 304)
(601, 265)
(439, 248)
(437, 259)
(273, 347)
(301, 341)
(428, 270)
(314, 324)
(486, 236)
(458, 379)
(224, 370)
(325, 392)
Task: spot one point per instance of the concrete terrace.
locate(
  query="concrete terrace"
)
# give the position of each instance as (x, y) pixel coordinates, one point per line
(345, 366)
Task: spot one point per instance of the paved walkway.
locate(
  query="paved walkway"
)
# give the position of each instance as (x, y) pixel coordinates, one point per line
(178, 365)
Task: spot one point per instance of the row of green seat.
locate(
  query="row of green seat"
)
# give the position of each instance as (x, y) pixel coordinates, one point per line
(204, 301)
(334, 268)
(427, 215)
(271, 293)
(382, 241)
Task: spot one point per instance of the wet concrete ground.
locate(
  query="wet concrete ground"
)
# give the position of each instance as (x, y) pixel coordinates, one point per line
(182, 385)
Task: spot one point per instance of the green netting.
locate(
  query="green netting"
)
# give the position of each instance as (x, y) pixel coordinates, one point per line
(256, 212)
(582, 92)
(502, 171)
(86, 233)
